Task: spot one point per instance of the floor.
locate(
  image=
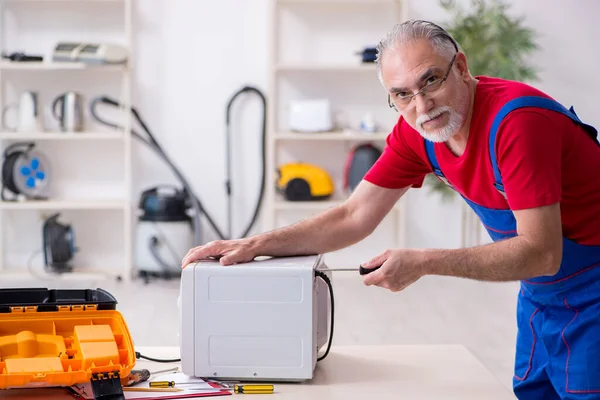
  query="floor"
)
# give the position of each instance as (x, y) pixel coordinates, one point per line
(433, 310)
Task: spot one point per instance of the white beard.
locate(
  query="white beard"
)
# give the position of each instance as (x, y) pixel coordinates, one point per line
(444, 133)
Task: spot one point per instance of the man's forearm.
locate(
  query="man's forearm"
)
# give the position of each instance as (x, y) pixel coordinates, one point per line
(325, 232)
(508, 260)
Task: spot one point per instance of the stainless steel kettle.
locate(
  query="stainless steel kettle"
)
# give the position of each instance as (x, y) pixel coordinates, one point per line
(68, 110)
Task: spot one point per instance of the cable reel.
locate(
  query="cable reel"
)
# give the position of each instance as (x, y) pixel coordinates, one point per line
(25, 172)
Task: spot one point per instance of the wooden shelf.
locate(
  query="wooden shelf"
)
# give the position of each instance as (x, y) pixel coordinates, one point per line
(61, 135)
(331, 136)
(86, 198)
(63, 205)
(58, 66)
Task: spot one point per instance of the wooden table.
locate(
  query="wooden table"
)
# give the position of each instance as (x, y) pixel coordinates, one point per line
(361, 372)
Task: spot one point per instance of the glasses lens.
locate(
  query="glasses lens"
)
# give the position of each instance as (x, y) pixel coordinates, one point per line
(403, 103)
(433, 87)
(430, 91)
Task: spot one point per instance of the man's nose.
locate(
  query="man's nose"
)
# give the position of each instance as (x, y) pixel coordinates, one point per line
(423, 103)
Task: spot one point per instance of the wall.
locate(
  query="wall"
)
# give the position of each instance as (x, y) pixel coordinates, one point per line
(192, 56)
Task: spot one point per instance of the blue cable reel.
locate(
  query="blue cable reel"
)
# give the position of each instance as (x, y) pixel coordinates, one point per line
(25, 172)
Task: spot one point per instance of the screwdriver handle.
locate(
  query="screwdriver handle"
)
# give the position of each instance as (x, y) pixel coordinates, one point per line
(162, 384)
(253, 389)
(365, 271)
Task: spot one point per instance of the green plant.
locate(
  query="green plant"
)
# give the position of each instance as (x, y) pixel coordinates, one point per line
(495, 43)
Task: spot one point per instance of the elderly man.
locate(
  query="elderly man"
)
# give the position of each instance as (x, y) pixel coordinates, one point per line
(527, 166)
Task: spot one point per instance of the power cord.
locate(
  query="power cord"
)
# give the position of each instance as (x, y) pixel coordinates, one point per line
(325, 278)
(138, 356)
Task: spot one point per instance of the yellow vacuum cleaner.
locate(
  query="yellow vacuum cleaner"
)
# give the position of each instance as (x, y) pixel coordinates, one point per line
(304, 182)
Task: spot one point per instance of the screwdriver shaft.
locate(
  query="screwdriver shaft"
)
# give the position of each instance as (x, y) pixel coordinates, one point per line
(246, 388)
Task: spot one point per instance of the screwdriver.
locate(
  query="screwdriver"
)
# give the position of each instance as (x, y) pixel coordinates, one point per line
(361, 270)
(247, 389)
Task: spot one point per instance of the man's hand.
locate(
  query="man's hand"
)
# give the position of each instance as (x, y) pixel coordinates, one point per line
(399, 269)
(535, 251)
(227, 251)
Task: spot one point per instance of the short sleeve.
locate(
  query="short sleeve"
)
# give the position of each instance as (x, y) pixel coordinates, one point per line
(399, 165)
(529, 149)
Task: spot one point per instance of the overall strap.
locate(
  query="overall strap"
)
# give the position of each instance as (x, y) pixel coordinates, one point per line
(528, 101)
(430, 149)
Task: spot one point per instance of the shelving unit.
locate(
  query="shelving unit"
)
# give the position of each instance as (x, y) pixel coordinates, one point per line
(313, 55)
(91, 171)
(58, 66)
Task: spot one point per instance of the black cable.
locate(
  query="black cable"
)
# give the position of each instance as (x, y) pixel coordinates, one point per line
(152, 143)
(152, 246)
(325, 278)
(263, 157)
(138, 356)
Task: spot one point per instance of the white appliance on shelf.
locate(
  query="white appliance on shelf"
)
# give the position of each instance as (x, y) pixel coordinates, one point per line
(311, 116)
(262, 320)
(90, 53)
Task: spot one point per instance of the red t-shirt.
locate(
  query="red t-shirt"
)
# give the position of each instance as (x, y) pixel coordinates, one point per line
(543, 156)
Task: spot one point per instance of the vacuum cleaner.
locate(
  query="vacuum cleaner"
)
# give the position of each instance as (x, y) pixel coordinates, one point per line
(165, 229)
(58, 245)
(164, 232)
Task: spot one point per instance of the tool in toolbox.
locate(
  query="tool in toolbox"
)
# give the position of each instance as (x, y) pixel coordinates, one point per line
(137, 376)
(64, 337)
(245, 388)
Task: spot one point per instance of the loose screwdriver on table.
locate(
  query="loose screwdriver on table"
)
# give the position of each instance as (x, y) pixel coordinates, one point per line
(246, 388)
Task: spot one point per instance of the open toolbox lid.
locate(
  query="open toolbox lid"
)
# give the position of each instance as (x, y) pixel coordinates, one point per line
(62, 337)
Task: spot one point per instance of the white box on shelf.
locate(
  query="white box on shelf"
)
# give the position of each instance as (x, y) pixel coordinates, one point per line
(310, 116)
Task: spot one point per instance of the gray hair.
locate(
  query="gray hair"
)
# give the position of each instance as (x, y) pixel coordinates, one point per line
(412, 30)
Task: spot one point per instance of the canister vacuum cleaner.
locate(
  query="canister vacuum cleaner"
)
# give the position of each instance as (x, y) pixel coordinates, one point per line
(165, 229)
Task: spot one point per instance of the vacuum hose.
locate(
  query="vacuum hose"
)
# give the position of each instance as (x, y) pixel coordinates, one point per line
(154, 145)
(263, 158)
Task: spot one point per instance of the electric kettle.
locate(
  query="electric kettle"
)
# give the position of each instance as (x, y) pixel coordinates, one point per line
(29, 118)
(68, 110)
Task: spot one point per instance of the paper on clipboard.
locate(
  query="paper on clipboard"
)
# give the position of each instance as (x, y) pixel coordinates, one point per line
(84, 391)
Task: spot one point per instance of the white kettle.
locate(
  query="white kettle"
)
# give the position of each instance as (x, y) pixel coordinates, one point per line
(29, 117)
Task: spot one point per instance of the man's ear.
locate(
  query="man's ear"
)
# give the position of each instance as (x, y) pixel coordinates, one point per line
(462, 66)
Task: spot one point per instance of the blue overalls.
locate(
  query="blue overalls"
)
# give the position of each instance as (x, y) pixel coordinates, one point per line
(558, 317)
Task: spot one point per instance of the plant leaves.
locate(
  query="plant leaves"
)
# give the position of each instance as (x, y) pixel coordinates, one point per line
(496, 43)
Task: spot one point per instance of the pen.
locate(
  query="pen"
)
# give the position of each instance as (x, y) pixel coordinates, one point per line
(240, 389)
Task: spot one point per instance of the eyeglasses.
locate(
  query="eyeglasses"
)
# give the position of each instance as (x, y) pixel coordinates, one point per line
(431, 88)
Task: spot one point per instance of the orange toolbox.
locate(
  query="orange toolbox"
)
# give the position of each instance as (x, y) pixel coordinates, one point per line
(62, 337)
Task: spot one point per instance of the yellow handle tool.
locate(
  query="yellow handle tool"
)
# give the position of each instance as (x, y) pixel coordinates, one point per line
(254, 389)
(162, 384)
(239, 389)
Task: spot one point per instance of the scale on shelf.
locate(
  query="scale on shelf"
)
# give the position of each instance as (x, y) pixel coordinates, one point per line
(90, 53)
